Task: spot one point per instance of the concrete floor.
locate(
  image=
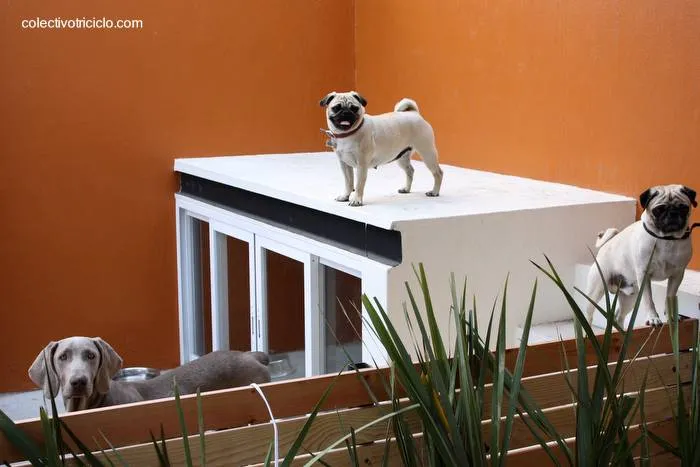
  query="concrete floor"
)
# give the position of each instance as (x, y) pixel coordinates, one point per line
(23, 405)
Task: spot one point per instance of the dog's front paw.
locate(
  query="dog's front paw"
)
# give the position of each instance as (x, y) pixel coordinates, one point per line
(654, 321)
(342, 198)
(404, 190)
(355, 200)
(432, 193)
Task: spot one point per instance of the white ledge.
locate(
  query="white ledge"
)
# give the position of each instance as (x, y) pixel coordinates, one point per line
(314, 180)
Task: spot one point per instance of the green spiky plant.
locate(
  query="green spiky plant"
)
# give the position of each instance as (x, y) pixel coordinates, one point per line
(448, 391)
(686, 417)
(605, 414)
(450, 400)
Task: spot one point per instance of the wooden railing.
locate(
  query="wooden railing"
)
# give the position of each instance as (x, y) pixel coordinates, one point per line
(239, 432)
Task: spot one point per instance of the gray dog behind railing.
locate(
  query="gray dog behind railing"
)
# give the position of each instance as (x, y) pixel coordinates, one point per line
(82, 369)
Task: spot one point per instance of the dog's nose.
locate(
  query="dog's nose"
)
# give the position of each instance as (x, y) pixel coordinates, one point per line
(78, 383)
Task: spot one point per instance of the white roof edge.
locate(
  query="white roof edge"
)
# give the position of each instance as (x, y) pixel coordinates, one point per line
(194, 166)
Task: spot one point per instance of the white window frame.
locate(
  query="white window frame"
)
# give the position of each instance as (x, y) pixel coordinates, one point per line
(314, 254)
(218, 263)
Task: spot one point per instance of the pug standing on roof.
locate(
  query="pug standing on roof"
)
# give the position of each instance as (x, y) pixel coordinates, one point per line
(663, 229)
(363, 141)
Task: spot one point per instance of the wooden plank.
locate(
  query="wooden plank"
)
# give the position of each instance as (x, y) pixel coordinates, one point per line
(547, 358)
(535, 455)
(224, 448)
(551, 390)
(372, 454)
(246, 445)
(665, 460)
(658, 404)
(368, 454)
(242, 406)
(130, 423)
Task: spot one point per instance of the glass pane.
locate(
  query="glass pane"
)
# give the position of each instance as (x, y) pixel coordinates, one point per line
(202, 323)
(285, 316)
(343, 331)
(238, 294)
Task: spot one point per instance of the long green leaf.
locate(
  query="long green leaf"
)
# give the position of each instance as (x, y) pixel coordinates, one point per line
(296, 445)
(20, 441)
(183, 425)
(517, 375)
(352, 448)
(268, 457)
(580, 316)
(114, 450)
(435, 334)
(359, 430)
(439, 370)
(497, 390)
(584, 420)
(102, 451)
(401, 359)
(52, 456)
(470, 406)
(644, 438)
(89, 456)
(161, 458)
(200, 424)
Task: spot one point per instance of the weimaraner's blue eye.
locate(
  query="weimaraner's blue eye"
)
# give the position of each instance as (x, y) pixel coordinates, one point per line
(90, 356)
(63, 356)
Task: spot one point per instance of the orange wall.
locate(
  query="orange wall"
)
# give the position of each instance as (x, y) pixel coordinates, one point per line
(91, 122)
(597, 93)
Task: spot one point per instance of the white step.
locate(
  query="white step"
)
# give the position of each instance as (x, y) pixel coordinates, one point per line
(688, 305)
(688, 293)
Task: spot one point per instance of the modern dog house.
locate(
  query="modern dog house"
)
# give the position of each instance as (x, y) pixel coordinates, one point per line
(248, 226)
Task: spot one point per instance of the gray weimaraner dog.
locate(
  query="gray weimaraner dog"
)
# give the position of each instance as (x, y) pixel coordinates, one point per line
(83, 367)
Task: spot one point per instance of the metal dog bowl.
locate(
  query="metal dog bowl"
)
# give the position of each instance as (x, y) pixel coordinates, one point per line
(280, 367)
(136, 373)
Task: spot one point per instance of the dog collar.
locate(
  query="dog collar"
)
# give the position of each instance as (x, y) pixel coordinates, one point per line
(348, 133)
(668, 237)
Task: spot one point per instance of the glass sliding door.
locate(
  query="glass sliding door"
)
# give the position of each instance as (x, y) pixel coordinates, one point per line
(341, 295)
(232, 262)
(287, 318)
(194, 290)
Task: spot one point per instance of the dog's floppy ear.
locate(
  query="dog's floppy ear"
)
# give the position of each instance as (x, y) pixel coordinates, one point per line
(110, 363)
(647, 196)
(359, 98)
(43, 373)
(329, 97)
(690, 193)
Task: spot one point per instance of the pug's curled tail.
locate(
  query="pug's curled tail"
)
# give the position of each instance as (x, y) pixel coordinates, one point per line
(605, 235)
(406, 105)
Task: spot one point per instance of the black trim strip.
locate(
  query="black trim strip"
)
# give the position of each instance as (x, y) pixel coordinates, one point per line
(358, 237)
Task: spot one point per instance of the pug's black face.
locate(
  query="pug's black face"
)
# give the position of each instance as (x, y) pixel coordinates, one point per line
(344, 115)
(669, 206)
(670, 217)
(344, 110)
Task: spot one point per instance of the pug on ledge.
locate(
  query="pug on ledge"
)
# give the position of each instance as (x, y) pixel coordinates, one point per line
(623, 256)
(362, 141)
